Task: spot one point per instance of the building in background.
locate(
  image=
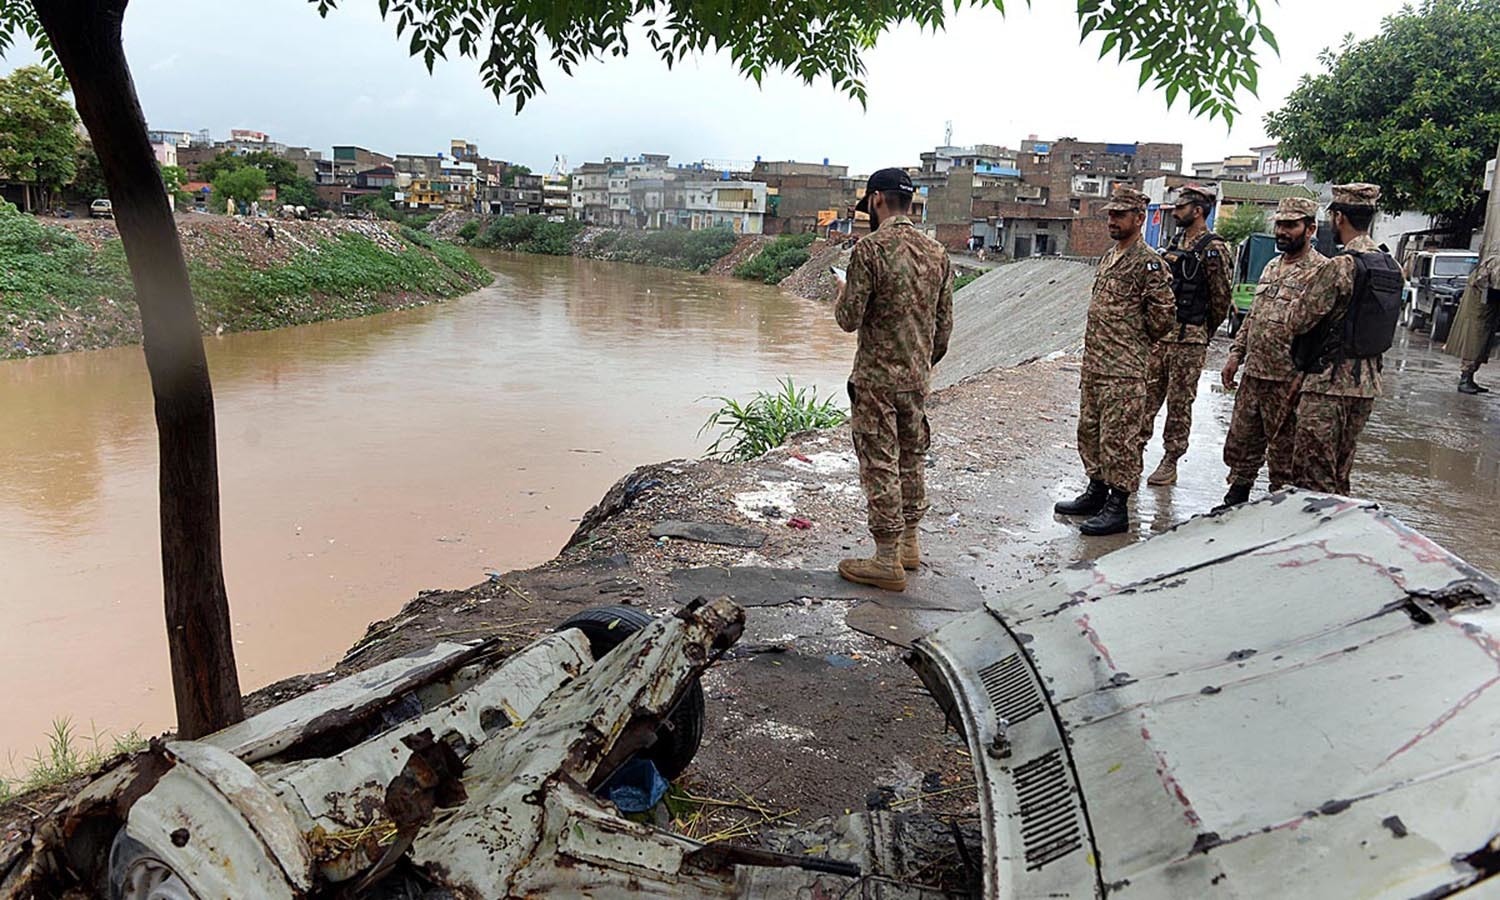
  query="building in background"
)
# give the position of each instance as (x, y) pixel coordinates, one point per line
(800, 196)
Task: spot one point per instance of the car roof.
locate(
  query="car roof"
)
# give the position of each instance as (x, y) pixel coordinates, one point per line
(1301, 691)
(1450, 253)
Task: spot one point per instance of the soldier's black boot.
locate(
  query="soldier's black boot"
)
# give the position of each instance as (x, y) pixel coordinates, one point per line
(1466, 385)
(1113, 518)
(1237, 494)
(1087, 503)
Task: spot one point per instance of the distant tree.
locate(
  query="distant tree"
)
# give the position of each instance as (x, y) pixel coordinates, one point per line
(1415, 108)
(1245, 220)
(88, 178)
(173, 178)
(38, 140)
(512, 173)
(243, 185)
(1209, 62)
(298, 192)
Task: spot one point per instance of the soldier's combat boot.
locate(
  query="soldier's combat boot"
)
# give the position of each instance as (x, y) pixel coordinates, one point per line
(1237, 494)
(1113, 518)
(883, 570)
(1087, 503)
(1165, 474)
(911, 551)
(1466, 385)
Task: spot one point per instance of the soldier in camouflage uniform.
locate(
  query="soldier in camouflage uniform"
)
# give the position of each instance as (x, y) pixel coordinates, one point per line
(899, 297)
(1263, 416)
(1132, 306)
(1335, 403)
(1199, 262)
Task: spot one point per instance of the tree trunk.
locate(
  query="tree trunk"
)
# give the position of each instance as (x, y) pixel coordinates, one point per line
(1490, 242)
(85, 34)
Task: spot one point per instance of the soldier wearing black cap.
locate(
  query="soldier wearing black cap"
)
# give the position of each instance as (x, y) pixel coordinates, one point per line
(899, 297)
(1199, 261)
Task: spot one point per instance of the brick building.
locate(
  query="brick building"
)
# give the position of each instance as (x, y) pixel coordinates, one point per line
(797, 192)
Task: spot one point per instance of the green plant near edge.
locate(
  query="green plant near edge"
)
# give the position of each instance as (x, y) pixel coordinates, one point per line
(778, 259)
(767, 420)
(67, 755)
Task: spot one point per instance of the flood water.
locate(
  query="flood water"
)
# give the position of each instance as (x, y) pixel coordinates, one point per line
(361, 461)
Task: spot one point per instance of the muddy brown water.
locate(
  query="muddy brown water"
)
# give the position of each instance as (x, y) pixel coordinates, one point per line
(361, 461)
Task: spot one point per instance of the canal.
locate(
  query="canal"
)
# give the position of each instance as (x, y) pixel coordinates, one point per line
(361, 461)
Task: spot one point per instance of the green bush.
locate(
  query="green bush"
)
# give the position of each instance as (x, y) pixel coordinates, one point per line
(470, 230)
(44, 269)
(530, 234)
(961, 280)
(778, 259)
(767, 420)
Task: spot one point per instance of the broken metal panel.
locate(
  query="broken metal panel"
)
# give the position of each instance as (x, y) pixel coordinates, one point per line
(1036, 838)
(1398, 846)
(347, 791)
(519, 777)
(1223, 680)
(278, 728)
(215, 824)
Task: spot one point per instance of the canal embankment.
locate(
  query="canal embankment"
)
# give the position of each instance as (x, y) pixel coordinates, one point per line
(64, 283)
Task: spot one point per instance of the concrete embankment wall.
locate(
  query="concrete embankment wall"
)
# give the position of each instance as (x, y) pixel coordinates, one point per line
(1018, 312)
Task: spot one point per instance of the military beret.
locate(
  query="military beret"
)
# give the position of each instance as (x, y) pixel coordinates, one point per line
(1295, 209)
(1126, 199)
(1357, 194)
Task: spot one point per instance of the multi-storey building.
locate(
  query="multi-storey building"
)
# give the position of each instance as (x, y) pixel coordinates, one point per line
(589, 198)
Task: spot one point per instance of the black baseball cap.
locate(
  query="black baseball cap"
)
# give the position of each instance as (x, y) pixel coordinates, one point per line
(885, 180)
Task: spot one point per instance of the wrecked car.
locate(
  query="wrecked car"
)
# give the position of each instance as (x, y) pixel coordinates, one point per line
(1288, 698)
(1293, 698)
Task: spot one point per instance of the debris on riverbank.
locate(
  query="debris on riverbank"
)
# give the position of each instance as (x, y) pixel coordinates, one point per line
(73, 289)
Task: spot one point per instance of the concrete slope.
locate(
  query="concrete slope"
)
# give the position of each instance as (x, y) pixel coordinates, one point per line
(1018, 312)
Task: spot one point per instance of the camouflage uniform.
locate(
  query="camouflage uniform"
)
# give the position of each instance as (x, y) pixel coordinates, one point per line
(1263, 415)
(1336, 403)
(1177, 359)
(899, 296)
(1131, 307)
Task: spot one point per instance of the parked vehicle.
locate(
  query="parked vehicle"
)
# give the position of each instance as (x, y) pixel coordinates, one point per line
(1254, 253)
(101, 209)
(1434, 286)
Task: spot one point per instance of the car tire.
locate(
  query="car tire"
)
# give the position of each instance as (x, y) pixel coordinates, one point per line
(606, 627)
(1408, 314)
(1442, 322)
(136, 872)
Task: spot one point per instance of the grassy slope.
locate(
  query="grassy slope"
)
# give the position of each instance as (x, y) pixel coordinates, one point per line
(61, 291)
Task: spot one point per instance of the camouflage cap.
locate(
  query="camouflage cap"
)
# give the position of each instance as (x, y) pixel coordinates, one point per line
(1295, 209)
(1127, 199)
(1196, 192)
(1357, 194)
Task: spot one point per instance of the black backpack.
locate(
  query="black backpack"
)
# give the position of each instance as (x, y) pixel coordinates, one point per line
(1369, 324)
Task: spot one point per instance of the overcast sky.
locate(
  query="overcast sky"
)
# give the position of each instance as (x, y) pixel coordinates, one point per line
(274, 66)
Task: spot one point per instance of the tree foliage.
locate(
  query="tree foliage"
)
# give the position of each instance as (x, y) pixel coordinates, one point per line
(1415, 109)
(280, 173)
(38, 140)
(1201, 49)
(242, 185)
(1246, 219)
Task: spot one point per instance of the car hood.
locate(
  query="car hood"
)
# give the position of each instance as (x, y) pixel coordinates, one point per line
(1297, 697)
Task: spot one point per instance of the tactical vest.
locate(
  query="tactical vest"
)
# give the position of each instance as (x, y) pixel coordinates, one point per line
(1368, 327)
(1189, 267)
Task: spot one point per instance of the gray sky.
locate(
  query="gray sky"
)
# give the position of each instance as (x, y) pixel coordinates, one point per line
(274, 66)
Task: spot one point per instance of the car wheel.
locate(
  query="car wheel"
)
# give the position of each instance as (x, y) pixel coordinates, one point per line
(1408, 315)
(1442, 321)
(137, 873)
(606, 627)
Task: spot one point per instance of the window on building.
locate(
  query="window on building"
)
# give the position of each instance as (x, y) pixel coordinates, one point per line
(1041, 226)
(1039, 158)
(1076, 204)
